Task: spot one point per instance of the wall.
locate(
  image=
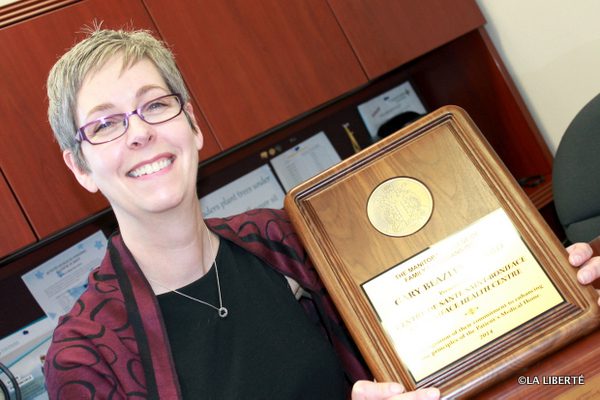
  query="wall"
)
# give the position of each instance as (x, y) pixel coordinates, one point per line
(552, 50)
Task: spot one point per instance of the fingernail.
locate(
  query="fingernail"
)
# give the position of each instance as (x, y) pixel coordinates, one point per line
(396, 387)
(575, 260)
(583, 277)
(432, 393)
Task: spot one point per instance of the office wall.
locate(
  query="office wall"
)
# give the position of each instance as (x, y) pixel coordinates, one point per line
(552, 50)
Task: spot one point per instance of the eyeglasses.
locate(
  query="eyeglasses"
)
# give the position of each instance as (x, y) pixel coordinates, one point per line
(112, 127)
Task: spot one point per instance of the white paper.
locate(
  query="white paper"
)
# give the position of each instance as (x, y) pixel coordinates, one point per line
(23, 352)
(58, 283)
(384, 107)
(257, 189)
(305, 160)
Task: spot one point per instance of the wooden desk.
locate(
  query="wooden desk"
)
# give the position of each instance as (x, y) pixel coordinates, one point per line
(581, 358)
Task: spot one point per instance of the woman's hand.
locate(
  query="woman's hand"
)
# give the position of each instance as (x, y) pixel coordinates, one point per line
(580, 255)
(367, 390)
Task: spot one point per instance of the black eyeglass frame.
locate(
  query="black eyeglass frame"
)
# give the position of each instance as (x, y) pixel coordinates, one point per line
(81, 136)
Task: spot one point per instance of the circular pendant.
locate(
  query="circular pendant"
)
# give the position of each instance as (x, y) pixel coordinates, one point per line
(223, 312)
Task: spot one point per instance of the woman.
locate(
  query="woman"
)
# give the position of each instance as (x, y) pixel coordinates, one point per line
(183, 307)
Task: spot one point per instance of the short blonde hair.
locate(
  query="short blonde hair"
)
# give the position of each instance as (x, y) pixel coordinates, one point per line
(91, 54)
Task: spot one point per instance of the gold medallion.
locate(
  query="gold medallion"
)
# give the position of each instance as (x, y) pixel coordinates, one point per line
(400, 206)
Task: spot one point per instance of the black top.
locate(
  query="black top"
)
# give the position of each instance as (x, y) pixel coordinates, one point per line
(266, 348)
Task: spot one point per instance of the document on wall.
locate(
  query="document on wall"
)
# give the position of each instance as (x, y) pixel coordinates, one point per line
(58, 283)
(256, 189)
(384, 107)
(305, 160)
(23, 353)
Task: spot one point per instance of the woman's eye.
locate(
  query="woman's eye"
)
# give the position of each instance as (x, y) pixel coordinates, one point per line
(106, 126)
(103, 126)
(156, 106)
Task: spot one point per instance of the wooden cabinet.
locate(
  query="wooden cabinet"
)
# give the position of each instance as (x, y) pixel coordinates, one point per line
(15, 232)
(29, 156)
(386, 34)
(255, 64)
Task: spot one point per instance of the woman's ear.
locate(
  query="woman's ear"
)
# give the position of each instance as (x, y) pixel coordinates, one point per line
(83, 177)
(189, 110)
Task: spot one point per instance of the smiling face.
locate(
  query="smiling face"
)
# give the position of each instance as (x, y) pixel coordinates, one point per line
(151, 168)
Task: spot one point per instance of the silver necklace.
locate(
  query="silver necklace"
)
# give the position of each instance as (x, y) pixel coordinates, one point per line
(222, 311)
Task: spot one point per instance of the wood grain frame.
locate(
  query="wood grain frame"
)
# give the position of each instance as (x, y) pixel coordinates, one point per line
(446, 151)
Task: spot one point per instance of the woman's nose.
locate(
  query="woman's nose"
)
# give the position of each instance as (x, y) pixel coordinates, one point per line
(138, 132)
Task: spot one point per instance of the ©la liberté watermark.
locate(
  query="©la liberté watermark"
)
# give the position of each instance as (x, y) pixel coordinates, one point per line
(568, 380)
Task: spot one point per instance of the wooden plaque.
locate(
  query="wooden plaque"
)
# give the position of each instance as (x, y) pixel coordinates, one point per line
(443, 270)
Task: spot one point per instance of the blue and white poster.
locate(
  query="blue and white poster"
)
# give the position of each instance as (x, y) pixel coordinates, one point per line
(58, 283)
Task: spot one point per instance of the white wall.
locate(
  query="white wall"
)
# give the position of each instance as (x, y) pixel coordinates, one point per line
(552, 50)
